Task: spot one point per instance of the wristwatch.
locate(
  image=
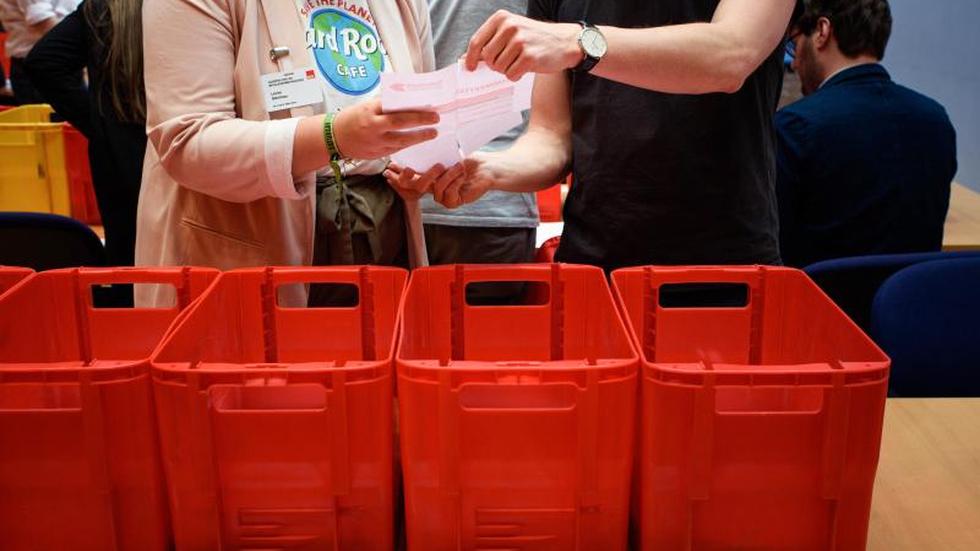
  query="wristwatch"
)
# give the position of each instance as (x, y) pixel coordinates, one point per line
(593, 45)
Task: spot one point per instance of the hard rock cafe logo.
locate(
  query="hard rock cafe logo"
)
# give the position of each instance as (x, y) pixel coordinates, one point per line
(347, 51)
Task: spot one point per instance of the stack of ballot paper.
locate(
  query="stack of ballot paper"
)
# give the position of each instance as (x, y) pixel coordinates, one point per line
(474, 108)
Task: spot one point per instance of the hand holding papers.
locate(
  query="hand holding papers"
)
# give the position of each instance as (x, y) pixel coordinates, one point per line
(474, 108)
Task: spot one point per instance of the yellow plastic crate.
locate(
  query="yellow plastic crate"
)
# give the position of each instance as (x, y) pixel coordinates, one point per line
(27, 114)
(33, 175)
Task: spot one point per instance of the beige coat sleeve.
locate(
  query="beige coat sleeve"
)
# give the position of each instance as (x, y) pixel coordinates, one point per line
(192, 119)
(424, 25)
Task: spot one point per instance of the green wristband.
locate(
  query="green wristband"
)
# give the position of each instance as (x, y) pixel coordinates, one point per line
(331, 141)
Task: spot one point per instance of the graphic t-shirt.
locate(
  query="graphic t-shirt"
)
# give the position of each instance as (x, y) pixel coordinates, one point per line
(348, 58)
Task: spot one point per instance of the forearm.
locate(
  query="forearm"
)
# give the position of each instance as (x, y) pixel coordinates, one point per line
(223, 156)
(309, 147)
(692, 58)
(536, 161)
(680, 59)
(714, 56)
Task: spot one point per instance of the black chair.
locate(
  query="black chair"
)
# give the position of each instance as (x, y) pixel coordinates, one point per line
(48, 241)
(927, 318)
(853, 282)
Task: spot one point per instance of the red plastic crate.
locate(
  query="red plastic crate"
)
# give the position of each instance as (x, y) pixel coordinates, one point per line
(548, 250)
(760, 424)
(79, 463)
(276, 423)
(516, 421)
(80, 187)
(549, 203)
(10, 276)
(4, 58)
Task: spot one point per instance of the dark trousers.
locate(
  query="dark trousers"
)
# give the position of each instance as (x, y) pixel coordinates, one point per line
(117, 169)
(465, 245)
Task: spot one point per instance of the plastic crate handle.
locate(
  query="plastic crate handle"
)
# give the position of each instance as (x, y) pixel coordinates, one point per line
(654, 279)
(488, 273)
(179, 278)
(353, 275)
(357, 276)
(748, 275)
(549, 274)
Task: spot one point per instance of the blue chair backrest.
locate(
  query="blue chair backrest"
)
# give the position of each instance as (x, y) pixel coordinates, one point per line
(48, 241)
(927, 318)
(853, 282)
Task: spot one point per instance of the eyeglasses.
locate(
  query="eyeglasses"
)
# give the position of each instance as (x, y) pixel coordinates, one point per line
(791, 46)
(790, 55)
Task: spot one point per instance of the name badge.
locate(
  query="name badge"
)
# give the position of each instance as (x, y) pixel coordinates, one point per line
(290, 89)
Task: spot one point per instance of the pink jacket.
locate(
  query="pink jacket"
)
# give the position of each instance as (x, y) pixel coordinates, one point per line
(217, 183)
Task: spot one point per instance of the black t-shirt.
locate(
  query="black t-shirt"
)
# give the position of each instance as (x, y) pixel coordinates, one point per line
(667, 178)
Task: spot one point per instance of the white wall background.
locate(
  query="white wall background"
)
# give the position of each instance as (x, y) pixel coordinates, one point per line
(935, 49)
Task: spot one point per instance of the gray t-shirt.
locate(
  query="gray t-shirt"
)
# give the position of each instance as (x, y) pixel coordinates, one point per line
(453, 24)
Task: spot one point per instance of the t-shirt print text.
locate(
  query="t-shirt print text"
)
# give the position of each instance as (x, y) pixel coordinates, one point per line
(345, 45)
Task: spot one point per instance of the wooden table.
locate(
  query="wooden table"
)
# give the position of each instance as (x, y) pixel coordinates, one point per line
(963, 220)
(927, 495)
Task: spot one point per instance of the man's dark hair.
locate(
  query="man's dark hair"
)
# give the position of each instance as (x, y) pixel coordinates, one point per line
(860, 26)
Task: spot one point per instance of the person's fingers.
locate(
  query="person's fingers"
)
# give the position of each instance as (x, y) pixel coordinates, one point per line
(450, 197)
(447, 178)
(442, 184)
(395, 171)
(404, 180)
(480, 39)
(424, 183)
(469, 194)
(518, 68)
(392, 177)
(409, 119)
(395, 168)
(396, 141)
(372, 106)
(403, 183)
(508, 56)
(498, 43)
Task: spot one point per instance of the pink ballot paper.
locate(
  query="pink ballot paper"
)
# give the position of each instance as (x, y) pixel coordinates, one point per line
(474, 108)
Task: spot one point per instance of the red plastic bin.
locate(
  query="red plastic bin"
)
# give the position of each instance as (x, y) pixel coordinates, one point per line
(4, 59)
(276, 423)
(760, 420)
(516, 421)
(548, 250)
(550, 204)
(10, 276)
(79, 462)
(81, 190)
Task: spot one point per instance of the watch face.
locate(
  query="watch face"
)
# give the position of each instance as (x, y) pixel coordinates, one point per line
(593, 43)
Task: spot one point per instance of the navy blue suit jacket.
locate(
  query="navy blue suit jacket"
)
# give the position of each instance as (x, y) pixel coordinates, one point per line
(864, 167)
